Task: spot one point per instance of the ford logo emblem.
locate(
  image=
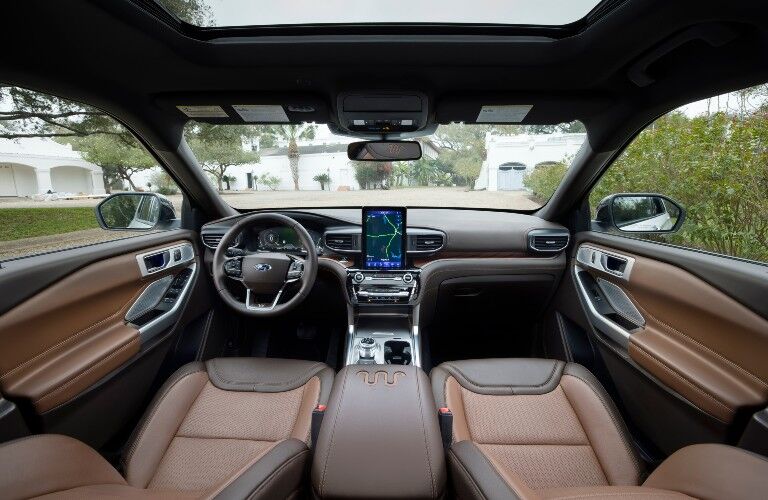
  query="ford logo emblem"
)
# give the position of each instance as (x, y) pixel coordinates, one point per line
(262, 267)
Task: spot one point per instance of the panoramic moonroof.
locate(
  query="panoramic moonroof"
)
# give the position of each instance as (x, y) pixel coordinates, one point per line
(223, 13)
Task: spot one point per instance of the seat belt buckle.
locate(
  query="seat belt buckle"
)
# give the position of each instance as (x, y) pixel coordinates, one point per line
(445, 418)
(317, 419)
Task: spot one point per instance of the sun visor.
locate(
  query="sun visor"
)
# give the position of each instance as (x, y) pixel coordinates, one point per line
(246, 108)
(513, 109)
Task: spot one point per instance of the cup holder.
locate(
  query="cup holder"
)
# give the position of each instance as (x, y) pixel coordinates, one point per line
(397, 352)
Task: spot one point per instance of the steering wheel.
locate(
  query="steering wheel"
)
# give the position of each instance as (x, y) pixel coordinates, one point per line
(265, 275)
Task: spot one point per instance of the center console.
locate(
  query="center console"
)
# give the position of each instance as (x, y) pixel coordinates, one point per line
(380, 437)
(382, 291)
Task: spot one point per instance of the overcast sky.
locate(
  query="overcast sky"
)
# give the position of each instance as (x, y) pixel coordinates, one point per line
(254, 12)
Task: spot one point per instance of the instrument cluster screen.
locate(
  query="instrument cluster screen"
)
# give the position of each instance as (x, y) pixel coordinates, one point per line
(384, 243)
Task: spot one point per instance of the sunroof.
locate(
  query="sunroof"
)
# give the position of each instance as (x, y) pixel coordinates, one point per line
(224, 13)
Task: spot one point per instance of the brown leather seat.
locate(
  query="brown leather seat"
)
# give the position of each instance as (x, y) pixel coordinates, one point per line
(228, 428)
(535, 429)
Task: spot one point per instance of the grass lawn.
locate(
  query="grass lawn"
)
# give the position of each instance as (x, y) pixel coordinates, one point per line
(18, 223)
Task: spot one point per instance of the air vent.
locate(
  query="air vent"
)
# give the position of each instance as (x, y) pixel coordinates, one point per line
(211, 240)
(341, 242)
(428, 242)
(548, 240)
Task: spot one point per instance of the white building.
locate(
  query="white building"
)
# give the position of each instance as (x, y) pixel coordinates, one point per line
(36, 166)
(511, 157)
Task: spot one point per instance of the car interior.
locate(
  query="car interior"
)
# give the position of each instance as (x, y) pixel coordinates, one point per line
(386, 350)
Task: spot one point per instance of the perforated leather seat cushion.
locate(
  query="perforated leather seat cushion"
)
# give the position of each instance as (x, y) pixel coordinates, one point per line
(233, 427)
(543, 429)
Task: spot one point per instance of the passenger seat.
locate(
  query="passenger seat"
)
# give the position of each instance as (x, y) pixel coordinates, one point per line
(542, 429)
(228, 428)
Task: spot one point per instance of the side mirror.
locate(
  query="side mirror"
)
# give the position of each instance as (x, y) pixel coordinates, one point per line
(136, 212)
(384, 151)
(639, 213)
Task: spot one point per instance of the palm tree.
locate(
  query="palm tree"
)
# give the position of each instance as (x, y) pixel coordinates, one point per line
(292, 134)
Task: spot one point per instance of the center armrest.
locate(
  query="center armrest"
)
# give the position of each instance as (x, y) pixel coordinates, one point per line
(380, 437)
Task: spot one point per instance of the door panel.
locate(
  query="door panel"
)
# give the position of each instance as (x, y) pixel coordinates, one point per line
(72, 333)
(690, 337)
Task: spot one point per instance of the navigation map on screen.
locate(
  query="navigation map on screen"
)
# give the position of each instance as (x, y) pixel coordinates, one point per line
(384, 233)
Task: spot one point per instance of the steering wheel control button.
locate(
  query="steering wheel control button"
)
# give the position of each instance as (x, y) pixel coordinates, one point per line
(234, 268)
(234, 252)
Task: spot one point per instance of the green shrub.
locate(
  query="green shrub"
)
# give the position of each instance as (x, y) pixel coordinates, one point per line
(544, 179)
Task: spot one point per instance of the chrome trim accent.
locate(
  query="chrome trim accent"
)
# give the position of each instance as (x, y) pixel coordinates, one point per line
(166, 320)
(595, 258)
(607, 327)
(353, 341)
(187, 255)
(548, 232)
(257, 307)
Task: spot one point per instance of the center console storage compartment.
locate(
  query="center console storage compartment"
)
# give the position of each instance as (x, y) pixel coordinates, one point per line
(380, 436)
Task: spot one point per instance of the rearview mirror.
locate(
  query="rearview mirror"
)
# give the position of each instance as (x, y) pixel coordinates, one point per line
(384, 151)
(639, 213)
(136, 212)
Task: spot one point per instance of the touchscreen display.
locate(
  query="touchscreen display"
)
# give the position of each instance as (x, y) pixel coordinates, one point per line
(384, 238)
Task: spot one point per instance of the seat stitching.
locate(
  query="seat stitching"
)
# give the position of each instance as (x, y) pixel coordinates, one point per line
(671, 329)
(609, 495)
(512, 387)
(586, 435)
(70, 338)
(95, 365)
(277, 471)
(155, 409)
(494, 469)
(333, 429)
(618, 424)
(257, 384)
(301, 400)
(463, 407)
(175, 431)
(687, 382)
(424, 432)
(457, 461)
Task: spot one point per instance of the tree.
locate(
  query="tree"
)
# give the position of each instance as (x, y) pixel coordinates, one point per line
(218, 147)
(323, 179)
(163, 182)
(544, 179)
(714, 165)
(373, 174)
(423, 170)
(269, 180)
(292, 134)
(229, 180)
(119, 159)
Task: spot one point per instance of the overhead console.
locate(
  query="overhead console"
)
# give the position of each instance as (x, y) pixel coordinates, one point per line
(382, 113)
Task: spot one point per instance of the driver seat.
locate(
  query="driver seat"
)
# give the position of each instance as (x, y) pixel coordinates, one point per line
(227, 428)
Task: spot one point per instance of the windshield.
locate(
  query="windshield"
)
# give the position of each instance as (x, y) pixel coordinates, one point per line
(503, 167)
(250, 13)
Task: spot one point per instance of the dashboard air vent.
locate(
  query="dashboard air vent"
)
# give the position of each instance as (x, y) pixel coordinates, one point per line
(548, 240)
(341, 242)
(211, 240)
(428, 243)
